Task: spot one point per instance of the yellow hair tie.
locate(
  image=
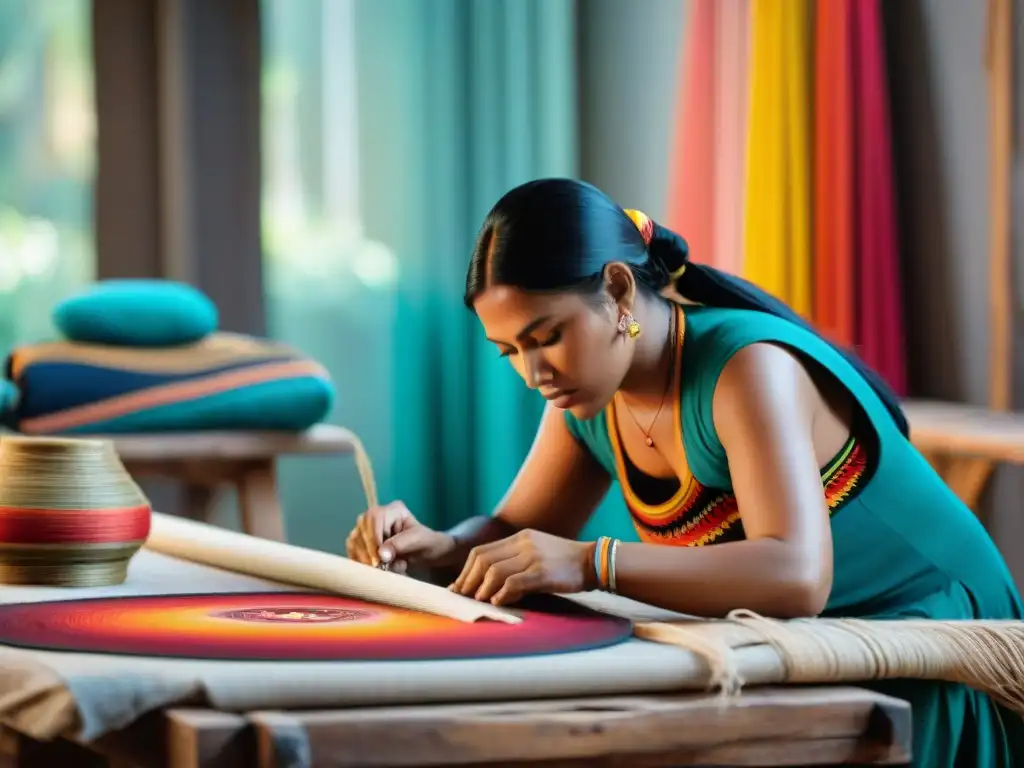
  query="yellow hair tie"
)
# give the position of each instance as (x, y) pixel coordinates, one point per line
(642, 222)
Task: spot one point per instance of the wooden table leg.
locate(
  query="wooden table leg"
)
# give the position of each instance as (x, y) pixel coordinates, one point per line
(968, 477)
(280, 740)
(200, 501)
(257, 496)
(205, 738)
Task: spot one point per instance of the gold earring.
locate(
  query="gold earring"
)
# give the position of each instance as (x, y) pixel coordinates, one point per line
(629, 325)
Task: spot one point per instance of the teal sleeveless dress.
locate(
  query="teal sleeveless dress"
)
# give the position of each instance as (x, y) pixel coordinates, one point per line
(904, 544)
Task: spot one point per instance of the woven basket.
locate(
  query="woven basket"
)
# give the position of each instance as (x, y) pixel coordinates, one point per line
(70, 514)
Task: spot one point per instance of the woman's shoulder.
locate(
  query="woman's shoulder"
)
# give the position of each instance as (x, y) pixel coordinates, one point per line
(722, 326)
(714, 335)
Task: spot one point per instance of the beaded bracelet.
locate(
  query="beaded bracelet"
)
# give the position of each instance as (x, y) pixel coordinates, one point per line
(604, 562)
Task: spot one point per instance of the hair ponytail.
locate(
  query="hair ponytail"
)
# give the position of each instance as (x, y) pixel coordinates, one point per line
(712, 287)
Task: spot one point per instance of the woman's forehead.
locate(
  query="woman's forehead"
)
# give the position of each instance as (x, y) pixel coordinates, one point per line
(508, 311)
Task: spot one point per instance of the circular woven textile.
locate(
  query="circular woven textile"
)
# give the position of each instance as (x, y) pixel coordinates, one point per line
(279, 626)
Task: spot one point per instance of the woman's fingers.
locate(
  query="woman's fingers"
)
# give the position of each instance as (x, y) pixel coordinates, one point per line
(480, 559)
(378, 523)
(499, 573)
(519, 585)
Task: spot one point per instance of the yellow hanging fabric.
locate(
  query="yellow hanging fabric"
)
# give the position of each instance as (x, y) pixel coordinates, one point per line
(777, 242)
(763, 255)
(797, 164)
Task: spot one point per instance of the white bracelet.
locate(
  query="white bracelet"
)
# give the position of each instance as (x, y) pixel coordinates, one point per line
(611, 564)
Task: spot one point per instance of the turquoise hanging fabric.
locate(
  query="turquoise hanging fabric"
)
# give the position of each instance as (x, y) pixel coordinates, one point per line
(460, 101)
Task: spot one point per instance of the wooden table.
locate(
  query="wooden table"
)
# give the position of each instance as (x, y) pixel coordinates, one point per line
(966, 430)
(206, 461)
(762, 727)
(964, 442)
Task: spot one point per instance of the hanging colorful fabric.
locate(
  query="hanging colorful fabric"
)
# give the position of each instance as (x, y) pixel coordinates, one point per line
(691, 195)
(796, 47)
(732, 30)
(879, 325)
(834, 280)
(763, 252)
(777, 235)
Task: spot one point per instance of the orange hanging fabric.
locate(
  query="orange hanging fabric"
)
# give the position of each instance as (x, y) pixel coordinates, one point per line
(834, 283)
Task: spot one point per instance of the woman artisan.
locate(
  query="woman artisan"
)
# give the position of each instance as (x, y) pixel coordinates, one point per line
(727, 421)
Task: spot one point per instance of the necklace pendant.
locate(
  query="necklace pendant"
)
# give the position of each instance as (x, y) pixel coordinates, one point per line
(650, 441)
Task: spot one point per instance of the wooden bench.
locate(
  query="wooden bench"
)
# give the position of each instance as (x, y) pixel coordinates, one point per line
(204, 462)
(761, 727)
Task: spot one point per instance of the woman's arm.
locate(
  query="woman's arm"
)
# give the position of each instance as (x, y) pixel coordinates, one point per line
(764, 407)
(557, 489)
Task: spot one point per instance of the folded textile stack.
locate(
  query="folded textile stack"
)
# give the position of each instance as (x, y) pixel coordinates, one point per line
(147, 356)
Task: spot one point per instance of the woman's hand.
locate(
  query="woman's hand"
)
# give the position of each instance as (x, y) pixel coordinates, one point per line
(526, 562)
(391, 534)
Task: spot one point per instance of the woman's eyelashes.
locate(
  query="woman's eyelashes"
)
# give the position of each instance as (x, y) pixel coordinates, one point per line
(553, 338)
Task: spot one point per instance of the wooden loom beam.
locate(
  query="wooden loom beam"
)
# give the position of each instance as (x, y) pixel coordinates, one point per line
(965, 443)
(769, 726)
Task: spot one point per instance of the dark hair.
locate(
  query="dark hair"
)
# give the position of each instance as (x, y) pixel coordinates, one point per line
(554, 235)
